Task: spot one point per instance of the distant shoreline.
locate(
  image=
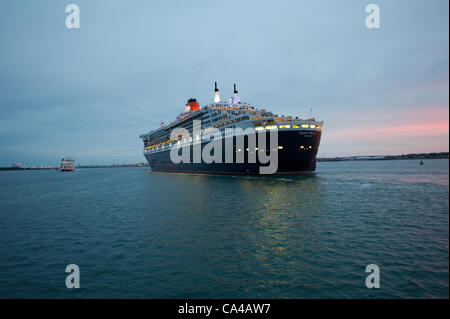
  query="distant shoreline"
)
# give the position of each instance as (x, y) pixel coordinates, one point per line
(442, 155)
(422, 156)
(16, 168)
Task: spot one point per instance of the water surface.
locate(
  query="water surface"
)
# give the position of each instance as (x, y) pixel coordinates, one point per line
(137, 233)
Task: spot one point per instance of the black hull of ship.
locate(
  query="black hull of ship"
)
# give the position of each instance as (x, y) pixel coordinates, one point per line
(292, 159)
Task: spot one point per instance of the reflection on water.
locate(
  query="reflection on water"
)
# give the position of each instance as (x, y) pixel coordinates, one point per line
(248, 227)
(286, 238)
(137, 233)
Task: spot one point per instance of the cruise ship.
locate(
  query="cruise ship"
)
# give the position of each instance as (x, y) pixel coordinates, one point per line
(236, 152)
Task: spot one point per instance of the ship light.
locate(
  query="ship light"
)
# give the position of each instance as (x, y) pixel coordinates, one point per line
(312, 126)
(256, 148)
(272, 127)
(285, 126)
(296, 126)
(259, 128)
(305, 125)
(302, 147)
(310, 147)
(280, 147)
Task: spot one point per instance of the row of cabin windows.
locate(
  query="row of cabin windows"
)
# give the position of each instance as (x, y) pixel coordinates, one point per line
(265, 122)
(189, 128)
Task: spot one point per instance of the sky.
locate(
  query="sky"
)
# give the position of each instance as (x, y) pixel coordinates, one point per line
(90, 92)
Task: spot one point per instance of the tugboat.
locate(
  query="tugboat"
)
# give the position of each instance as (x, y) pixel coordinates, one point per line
(67, 165)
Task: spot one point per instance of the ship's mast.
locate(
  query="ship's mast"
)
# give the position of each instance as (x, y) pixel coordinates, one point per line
(216, 93)
(235, 95)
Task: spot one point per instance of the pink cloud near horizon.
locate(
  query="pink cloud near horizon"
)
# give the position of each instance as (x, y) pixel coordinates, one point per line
(416, 130)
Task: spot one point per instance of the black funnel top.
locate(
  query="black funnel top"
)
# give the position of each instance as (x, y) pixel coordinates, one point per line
(235, 91)
(215, 87)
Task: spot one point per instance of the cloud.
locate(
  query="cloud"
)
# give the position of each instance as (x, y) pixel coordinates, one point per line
(92, 91)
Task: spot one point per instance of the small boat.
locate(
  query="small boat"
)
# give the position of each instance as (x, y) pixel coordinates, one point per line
(67, 165)
(421, 163)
